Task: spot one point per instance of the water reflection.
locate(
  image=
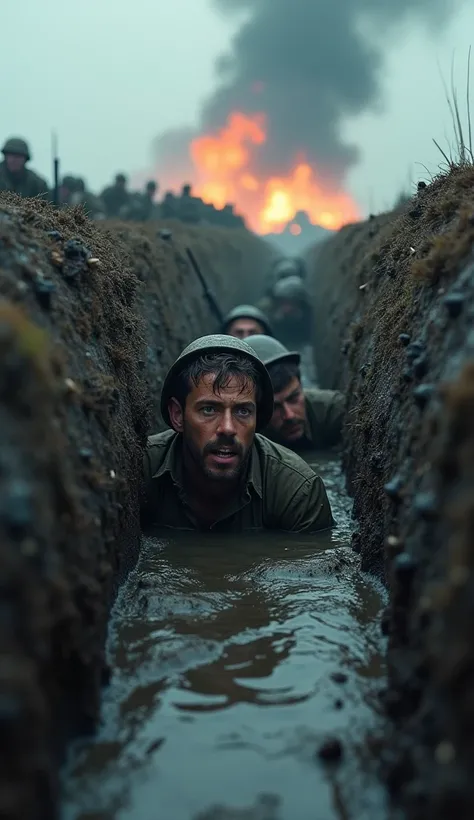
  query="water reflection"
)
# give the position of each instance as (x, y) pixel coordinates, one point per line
(224, 653)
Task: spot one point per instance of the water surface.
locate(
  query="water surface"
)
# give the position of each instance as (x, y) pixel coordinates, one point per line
(223, 651)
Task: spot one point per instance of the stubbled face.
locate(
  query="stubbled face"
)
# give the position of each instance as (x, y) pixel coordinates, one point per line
(241, 328)
(289, 414)
(218, 428)
(15, 163)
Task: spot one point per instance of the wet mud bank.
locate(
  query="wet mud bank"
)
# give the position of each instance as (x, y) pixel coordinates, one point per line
(90, 318)
(399, 291)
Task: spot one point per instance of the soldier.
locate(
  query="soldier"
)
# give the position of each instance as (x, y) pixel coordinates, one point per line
(67, 190)
(15, 176)
(169, 207)
(116, 198)
(91, 203)
(291, 314)
(211, 471)
(188, 206)
(302, 419)
(245, 320)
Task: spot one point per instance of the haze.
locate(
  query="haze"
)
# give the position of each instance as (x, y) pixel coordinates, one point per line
(110, 75)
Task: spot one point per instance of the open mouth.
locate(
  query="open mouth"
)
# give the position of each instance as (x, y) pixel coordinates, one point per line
(223, 455)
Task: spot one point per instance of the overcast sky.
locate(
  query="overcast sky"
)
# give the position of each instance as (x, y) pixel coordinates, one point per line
(109, 75)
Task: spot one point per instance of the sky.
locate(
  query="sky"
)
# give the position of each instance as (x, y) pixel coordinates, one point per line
(109, 75)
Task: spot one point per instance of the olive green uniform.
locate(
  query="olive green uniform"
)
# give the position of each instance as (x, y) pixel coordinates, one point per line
(280, 492)
(26, 183)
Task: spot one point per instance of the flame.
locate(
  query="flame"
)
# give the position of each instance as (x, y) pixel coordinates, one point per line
(227, 165)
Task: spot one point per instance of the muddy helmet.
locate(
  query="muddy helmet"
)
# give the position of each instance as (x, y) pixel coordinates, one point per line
(292, 287)
(219, 344)
(17, 145)
(247, 312)
(270, 350)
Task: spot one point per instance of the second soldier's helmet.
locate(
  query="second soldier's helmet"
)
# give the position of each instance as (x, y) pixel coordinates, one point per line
(219, 343)
(292, 288)
(271, 351)
(247, 312)
(17, 145)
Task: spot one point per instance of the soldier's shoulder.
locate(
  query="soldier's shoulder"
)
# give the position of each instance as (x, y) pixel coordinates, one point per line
(280, 462)
(36, 177)
(317, 395)
(160, 440)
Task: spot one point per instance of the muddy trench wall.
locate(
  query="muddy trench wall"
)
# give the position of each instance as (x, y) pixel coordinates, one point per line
(91, 316)
(398, 291)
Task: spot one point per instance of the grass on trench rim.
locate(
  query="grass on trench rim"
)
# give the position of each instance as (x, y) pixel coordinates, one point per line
(463, 148)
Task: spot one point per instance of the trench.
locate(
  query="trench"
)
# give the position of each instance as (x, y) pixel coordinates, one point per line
(228, 665)
(234, 662)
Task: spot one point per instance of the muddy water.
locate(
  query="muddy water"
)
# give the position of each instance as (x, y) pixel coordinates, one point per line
(223, 653)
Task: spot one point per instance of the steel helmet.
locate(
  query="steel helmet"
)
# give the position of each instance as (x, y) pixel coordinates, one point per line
(247, 312)
(17, 145)
(292, 287)
(270, 350)
(220, 343)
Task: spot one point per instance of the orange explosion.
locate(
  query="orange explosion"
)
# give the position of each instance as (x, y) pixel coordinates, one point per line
(226, 165)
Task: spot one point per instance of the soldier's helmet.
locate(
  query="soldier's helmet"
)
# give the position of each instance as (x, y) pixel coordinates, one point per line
(291, 288)
(151, 186)
(186, 190)
(220, 344)
(271, 351)
(120, 179)
(17, 145)
(247, 312)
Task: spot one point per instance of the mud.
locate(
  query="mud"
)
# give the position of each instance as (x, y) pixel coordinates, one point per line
(398, 290)
(90, 317)
(246, 682)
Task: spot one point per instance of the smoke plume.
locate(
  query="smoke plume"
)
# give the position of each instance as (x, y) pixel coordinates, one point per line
(308, 65)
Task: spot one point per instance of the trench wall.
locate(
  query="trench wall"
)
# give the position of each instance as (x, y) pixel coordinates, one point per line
(399, 339)
(91, 316)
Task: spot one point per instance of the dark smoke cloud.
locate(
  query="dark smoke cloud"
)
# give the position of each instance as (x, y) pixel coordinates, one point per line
(308, 65)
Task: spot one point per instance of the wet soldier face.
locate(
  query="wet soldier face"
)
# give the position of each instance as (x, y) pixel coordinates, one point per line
(218, 426)
(289, 414)
(241, 328)
(15, 163)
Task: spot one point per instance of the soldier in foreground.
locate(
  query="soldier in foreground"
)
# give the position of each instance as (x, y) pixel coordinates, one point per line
(15, 176)
(211, 471)
(303, 419)
(245, 320)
